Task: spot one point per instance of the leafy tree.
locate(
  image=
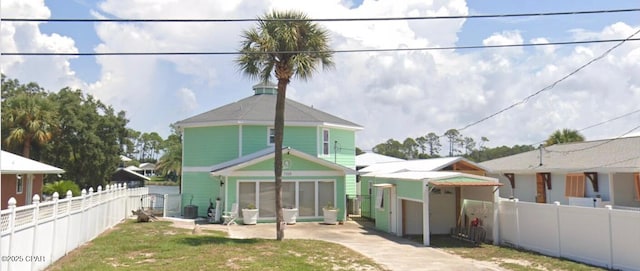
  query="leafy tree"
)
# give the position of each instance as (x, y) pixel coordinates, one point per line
(88, 142)
(359, 151)
(391, 147)
(410, 148)
(564, 136)
(287, 44)
(433, 143)
(454, 138)
(170, 164)
(61, 187)
(28, 118)
(469, 145)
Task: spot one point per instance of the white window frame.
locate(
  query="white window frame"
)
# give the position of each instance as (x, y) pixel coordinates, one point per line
(317, 204)
(270, 136)
(380, 198)
(326, 141)
(19, 184)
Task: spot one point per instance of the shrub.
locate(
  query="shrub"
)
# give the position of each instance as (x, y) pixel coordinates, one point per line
(61, 187)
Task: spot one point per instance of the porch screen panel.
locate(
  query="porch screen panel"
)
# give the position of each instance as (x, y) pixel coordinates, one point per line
(325, 195)
(247, 196)
(288, 194)
(307, 198)
(267, 207)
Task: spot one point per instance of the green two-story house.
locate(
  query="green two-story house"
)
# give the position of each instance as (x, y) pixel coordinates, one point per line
(228, 153)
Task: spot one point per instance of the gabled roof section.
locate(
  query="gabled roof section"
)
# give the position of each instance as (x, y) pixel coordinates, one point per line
(440, 178)
(608, 155)
(226, 168)
(370, 158)
(260, 109)
(16, 164)
(433, 164)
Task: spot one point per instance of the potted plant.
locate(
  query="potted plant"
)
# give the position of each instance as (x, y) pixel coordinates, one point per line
(330, 214)
(250, 215)
(290, 215)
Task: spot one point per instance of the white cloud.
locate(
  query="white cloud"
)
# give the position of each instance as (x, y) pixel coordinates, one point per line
(392, 94)
(51, 72)
(187, 100)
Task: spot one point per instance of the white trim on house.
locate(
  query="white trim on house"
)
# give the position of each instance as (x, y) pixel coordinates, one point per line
(286, 173)
(267, 123)
(239, 140)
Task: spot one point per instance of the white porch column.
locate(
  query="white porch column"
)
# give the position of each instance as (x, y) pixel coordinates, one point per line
(425, 214)
(496, 218)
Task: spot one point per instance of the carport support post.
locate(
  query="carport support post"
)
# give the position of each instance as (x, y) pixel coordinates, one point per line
(425, 214)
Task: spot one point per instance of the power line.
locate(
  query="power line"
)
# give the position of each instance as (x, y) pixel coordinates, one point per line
(562, 13)
(552, 85)
(331, 51)
(597, 145)
(597, 124)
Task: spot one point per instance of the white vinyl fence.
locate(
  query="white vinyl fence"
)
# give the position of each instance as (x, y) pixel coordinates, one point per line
(34, 236)
(600, 236)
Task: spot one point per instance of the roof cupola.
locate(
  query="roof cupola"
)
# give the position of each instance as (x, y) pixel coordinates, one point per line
(267, 87)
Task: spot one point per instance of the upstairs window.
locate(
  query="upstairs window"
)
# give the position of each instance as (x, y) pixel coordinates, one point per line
(325, 142)
(575, 185)
(271, 136)
(19, 184)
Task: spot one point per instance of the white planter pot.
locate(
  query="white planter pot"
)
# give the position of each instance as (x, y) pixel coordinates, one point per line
(330, 216)
(249, 216)
(290, 215)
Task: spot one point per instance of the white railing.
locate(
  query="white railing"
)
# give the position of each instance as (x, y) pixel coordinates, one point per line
(172, 204)
(600, 236)
(34, 236)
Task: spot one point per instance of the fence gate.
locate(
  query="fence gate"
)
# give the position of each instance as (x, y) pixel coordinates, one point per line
(153, 202)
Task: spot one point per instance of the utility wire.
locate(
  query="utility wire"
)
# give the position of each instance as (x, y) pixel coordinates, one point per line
(330, 51)
(552, 85)
(596, 145)
(328, 19)
(597, 124)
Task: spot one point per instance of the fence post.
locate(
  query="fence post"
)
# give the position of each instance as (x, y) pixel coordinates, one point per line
(557, 204)
(165, 205)
(12, 227)
(69, 199)
(36, 214)
(609, 210)
(56, 197)
(515, 205)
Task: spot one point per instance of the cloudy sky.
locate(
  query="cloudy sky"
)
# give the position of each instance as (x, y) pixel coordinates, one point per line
(392, 94)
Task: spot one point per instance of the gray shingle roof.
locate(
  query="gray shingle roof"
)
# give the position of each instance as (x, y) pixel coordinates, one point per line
(608, 155)
(261, 109)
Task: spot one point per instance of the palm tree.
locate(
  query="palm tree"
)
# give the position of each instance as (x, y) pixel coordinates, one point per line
(171, 160)
(288, 44)
(564, 136)
(30, 119)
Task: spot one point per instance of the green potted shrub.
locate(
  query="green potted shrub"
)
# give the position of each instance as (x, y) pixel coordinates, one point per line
(250, 215)
(330, 214)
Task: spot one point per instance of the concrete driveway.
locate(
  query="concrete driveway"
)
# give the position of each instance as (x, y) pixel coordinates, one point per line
(392, 252)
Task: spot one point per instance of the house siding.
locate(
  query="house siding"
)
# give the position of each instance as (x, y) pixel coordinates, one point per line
(207, 146)
(344, 153)
(202, 187)
(624, 190)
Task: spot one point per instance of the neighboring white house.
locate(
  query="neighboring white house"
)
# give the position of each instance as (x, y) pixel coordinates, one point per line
(148, 169)
(591, 173)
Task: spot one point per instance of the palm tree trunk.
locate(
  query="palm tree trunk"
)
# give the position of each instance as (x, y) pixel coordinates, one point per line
(26, 148)
(279, 137)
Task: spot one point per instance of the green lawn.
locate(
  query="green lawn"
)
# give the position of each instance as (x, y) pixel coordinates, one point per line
(159, 246)
(508, 258)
